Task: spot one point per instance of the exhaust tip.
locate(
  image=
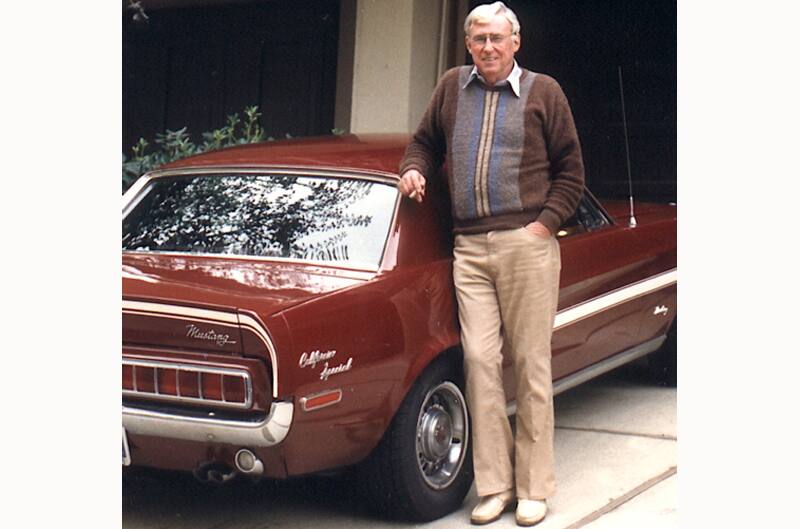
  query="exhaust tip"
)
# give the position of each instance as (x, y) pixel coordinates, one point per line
(247, 462)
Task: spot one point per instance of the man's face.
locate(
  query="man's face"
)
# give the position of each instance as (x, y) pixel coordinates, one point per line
(492, 47)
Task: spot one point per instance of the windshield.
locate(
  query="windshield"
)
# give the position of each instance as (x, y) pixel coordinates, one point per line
(336, 220)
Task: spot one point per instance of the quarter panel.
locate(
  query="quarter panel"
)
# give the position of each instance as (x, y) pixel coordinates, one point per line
(381, 335)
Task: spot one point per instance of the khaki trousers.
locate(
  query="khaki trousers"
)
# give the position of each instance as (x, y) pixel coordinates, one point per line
(507, 288)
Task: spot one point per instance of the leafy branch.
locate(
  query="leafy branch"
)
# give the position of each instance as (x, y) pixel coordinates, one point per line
(172, 145)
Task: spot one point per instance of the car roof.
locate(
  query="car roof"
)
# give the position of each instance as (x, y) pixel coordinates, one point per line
(371, 152)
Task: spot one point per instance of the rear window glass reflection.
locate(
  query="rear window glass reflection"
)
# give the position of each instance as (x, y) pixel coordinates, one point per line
(335, 220)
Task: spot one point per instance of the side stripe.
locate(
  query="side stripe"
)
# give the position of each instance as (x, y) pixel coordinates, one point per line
(606, 301)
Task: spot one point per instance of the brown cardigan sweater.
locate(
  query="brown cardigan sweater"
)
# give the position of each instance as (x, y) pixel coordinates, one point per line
(510, 160)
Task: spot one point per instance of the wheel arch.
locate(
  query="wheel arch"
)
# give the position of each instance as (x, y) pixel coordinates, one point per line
(387, 475)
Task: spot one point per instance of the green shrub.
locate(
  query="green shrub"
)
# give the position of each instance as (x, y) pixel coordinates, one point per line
(175, 144)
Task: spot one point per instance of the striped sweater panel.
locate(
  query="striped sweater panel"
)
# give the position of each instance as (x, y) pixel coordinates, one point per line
(511, 160)
(487, 143)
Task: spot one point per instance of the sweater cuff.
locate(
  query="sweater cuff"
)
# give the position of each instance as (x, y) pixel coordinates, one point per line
(549, 219)
(412, 165)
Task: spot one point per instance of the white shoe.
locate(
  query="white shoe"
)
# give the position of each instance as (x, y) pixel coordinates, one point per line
(491, 507)
(530, 512)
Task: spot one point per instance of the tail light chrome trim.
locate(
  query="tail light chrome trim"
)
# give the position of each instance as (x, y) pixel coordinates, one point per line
(162, 367)
(212, 316)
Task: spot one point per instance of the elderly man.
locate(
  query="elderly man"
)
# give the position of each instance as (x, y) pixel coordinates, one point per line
(515, 174)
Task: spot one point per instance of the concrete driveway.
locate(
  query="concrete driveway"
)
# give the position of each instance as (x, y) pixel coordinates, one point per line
(616, 466)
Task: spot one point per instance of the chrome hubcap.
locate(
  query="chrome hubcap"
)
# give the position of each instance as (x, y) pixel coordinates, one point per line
(442, 435)
(436, 434)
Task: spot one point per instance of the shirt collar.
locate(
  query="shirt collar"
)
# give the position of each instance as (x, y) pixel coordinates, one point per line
(512, 80)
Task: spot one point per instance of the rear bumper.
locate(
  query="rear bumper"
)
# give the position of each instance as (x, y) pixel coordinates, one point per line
(267, 432)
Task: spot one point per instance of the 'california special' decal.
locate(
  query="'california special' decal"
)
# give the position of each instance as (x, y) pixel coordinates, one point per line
(314, 357)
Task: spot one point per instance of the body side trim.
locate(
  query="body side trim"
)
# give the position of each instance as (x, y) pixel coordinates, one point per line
(599, 368)
(616, 297)
(254, 325)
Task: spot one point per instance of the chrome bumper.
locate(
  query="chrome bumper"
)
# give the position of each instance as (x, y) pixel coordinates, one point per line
(271, 431)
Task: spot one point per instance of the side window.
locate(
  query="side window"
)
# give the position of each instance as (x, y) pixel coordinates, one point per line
(590, 215)
(587, 217)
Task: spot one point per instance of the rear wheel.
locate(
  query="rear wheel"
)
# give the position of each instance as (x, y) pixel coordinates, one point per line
(664, 362)
(422, 468)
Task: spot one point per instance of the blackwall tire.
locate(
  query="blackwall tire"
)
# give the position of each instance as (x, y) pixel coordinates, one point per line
(664, 362)
(422, 468)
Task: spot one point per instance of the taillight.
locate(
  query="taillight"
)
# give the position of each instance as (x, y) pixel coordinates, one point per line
(234, 388)
(127, 377)
(144, 379)
(168, 381)
(190, 383)
(211, 384)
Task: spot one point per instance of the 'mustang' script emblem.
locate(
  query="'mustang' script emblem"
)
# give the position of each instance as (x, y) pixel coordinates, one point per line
(193, 331)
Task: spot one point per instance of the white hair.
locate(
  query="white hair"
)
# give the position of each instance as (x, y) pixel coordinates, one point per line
(485, 12)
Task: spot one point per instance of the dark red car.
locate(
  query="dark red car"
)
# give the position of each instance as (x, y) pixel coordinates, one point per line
(286, 312)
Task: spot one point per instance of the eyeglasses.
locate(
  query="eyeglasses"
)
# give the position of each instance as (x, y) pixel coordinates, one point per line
(494, 38)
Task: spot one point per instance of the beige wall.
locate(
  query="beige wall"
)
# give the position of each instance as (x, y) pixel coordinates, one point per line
(391, 52)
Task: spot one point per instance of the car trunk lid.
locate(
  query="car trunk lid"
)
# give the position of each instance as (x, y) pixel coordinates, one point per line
(196, 303)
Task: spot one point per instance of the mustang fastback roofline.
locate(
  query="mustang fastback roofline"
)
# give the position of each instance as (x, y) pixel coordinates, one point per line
(342, 172)
(267, 432)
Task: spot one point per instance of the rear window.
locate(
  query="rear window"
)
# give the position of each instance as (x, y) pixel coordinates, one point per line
(322, 219)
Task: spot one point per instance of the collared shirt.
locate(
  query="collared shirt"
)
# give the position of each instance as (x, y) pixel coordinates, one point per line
(512, 80)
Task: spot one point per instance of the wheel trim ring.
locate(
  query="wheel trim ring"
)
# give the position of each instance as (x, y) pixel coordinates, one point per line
(452, 401)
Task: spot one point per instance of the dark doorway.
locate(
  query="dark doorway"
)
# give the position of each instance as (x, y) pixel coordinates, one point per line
(193, 66)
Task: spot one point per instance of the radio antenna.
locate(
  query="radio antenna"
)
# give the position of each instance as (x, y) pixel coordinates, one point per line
(632, 221)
